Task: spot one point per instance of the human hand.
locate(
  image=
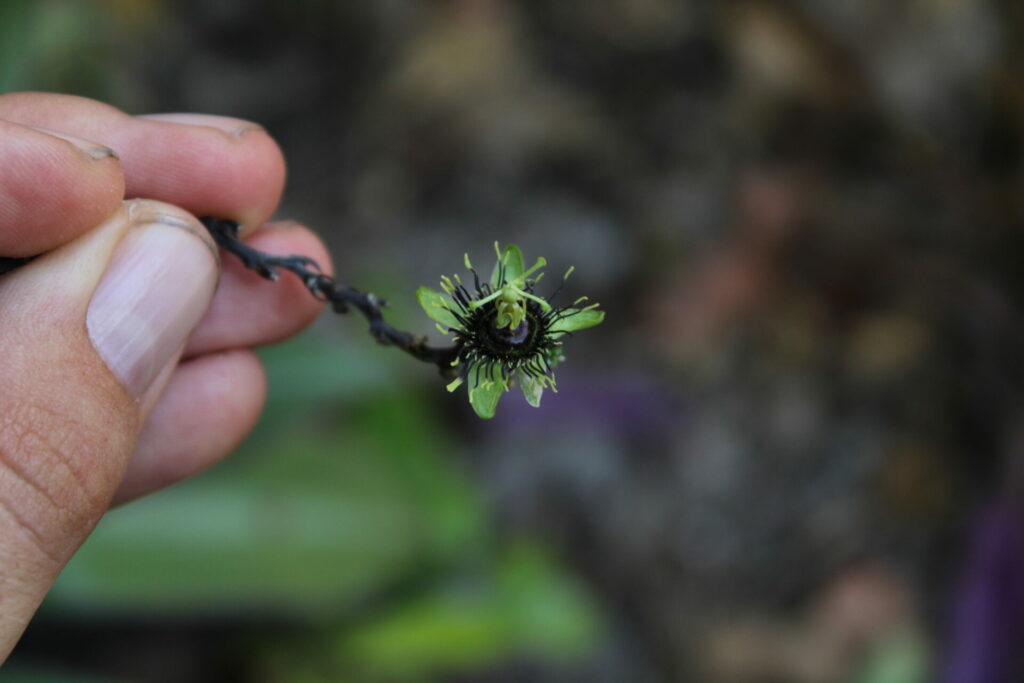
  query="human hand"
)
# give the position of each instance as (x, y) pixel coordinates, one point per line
(124, 349)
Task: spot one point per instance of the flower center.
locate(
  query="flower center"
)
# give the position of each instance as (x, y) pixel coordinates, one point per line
(514, 337)
(519, 342)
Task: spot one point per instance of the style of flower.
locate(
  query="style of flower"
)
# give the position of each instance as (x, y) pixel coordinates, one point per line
(504, 333)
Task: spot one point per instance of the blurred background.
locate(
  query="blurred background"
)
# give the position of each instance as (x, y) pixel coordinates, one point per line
(792, 452)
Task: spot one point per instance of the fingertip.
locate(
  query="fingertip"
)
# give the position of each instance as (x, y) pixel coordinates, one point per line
(53, 188)
(230, 126)
(187, 161)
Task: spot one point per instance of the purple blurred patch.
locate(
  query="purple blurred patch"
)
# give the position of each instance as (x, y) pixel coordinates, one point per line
(988, 619)
(631, 405)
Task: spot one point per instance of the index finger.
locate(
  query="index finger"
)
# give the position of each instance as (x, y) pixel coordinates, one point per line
(207, 165)
(53, 188)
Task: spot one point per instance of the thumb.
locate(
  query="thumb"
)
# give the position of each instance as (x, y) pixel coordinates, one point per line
(88, 334)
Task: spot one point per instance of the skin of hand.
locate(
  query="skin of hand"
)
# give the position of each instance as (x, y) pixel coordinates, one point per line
(126, 344)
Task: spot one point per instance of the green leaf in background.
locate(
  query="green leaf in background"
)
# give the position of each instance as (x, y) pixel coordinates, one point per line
(521, 606)
(57, 45)
(527, 607)
(898, 657)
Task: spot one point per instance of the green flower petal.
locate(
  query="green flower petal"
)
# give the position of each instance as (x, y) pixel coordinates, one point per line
(435, 305)
(485, 391)
(577, 320)
(532, 389)
(512, 259)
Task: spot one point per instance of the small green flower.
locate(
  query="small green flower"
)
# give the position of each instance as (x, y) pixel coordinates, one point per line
(504, 333)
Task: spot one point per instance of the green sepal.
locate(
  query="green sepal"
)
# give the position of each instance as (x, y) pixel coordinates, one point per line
(573, 319)
(485, 389)
(435, 304)
(512, 260)
(532, 389)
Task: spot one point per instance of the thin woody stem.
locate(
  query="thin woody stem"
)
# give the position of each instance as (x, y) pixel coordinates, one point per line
(324, 288)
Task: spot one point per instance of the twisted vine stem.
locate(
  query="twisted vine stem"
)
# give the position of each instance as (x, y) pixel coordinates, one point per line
(321, 286)
(325, 288)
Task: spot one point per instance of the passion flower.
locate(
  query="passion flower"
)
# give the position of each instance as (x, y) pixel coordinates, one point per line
(504, 333)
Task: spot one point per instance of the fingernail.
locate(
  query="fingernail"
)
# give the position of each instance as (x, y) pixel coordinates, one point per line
(93, 150)
(233, 127)
(156, 288)
(144, 211)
